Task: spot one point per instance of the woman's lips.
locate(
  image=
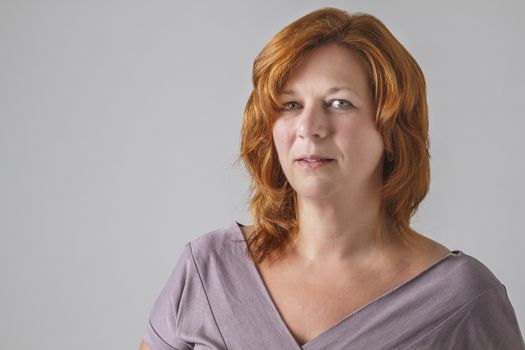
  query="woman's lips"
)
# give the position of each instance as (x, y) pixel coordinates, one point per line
(313, 164)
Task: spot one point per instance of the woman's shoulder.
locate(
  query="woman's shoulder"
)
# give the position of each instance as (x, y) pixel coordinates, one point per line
(473, 306)
(456, 280)
(223, 237)
(471, 272)
(456, 269)
(221, 246)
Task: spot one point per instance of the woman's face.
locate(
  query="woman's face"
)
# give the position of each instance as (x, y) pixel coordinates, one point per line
(328, 111)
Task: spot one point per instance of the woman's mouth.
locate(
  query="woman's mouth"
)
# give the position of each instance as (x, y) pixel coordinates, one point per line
(313, 164)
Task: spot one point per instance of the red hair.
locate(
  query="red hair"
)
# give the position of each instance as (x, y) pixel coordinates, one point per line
(401, 115)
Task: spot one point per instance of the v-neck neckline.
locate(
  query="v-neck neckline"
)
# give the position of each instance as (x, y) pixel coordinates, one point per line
(279, 318)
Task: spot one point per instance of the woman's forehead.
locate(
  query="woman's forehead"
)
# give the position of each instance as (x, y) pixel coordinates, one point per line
(327, 69)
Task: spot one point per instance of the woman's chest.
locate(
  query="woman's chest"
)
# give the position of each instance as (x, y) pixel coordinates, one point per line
(310, 309)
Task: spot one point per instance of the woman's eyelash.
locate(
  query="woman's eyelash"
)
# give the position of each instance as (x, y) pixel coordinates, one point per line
(285, 106)
(348, 104)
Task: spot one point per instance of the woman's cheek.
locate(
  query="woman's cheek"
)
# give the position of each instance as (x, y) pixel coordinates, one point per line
(281, 135)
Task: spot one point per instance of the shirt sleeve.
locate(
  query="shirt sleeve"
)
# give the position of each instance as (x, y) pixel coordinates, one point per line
(487, 321)
(163, 327)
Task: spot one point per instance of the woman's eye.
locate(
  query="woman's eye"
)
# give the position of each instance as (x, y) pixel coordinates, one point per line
(342, 103)
(339, 103)
(290, 106)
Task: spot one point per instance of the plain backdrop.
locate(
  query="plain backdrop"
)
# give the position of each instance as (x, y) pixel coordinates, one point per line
(120, 122)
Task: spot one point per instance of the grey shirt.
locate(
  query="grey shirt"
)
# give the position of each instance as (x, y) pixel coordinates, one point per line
(215, 298)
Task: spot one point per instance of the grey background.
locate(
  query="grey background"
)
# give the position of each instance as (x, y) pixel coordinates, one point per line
(120, 122)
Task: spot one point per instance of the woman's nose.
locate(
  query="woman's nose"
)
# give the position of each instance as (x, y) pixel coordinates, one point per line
(312, 123)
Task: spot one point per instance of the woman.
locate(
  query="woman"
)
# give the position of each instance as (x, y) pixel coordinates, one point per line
(335, 139)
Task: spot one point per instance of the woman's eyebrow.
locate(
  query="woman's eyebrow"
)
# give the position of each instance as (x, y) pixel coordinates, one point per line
(329, 91)
(337, 88)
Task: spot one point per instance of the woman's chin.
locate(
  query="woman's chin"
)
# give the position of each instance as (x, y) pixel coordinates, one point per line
(316, 191)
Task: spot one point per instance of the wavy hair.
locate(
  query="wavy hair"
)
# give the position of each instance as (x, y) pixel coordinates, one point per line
(401, 116)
